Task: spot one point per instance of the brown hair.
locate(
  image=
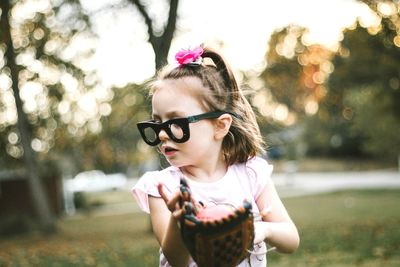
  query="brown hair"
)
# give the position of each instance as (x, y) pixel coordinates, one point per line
(244, 139)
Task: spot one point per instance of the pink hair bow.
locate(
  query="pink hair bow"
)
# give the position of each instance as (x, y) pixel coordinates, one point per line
(190, 57)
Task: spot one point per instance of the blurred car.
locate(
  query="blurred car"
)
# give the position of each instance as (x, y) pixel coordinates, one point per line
(95, 181)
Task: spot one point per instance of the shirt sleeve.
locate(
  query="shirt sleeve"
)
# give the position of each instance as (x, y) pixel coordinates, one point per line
(259, 172)
(147, 185)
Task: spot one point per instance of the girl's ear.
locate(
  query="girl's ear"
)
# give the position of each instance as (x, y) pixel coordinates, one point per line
(222, 125)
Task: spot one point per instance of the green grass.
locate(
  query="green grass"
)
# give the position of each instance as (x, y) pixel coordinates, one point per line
(122, 240)
(351, 228)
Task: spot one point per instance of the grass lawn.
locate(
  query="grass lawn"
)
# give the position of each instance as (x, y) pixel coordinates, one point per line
(350, 228)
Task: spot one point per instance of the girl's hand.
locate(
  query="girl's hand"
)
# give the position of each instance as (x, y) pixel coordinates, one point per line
(261, 232)
(261, 229)
(171, 201)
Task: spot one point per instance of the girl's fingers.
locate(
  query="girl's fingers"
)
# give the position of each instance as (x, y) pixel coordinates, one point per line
(172, 200)
(160, 188)
(177, 214)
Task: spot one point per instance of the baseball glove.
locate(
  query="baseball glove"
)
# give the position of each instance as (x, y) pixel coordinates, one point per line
(215, 236)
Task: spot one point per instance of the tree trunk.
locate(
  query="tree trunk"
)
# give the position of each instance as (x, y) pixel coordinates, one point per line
(39, 199)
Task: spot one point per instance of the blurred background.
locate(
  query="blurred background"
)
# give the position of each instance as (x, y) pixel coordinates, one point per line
(322, 76)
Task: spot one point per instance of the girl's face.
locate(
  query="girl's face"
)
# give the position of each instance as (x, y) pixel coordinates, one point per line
(177, 99)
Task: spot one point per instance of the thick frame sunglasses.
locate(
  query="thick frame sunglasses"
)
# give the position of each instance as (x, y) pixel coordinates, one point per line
(176, 129)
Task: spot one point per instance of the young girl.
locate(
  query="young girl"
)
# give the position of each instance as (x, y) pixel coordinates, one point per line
(207, 131)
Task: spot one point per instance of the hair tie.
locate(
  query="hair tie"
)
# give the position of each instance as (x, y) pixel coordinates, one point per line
(190, 57)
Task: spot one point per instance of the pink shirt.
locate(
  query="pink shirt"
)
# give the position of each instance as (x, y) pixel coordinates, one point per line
(241, 182)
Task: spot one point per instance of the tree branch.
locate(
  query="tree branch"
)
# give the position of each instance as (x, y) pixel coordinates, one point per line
(171, 25)
(147, 20)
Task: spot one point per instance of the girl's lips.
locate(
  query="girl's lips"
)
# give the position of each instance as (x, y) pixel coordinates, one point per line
(169, 151)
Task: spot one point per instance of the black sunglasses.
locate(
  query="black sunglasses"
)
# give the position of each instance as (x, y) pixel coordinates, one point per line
(177, 129)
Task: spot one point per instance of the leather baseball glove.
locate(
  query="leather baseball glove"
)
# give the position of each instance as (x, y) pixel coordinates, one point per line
(215, 236)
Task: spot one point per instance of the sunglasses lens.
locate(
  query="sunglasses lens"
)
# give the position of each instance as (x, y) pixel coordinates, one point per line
(150, 134)
(177, 131)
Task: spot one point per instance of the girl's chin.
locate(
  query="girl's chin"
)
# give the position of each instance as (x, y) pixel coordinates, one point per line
(175, 163)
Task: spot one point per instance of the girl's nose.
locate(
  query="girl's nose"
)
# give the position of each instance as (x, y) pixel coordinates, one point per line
(163, 135)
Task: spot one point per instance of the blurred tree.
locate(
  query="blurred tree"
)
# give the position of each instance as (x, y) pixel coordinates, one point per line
(38, 196)
(44, 89)
(118, 145)
(295, 73)
(364, 89)
(335, 89)
(294, 77)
